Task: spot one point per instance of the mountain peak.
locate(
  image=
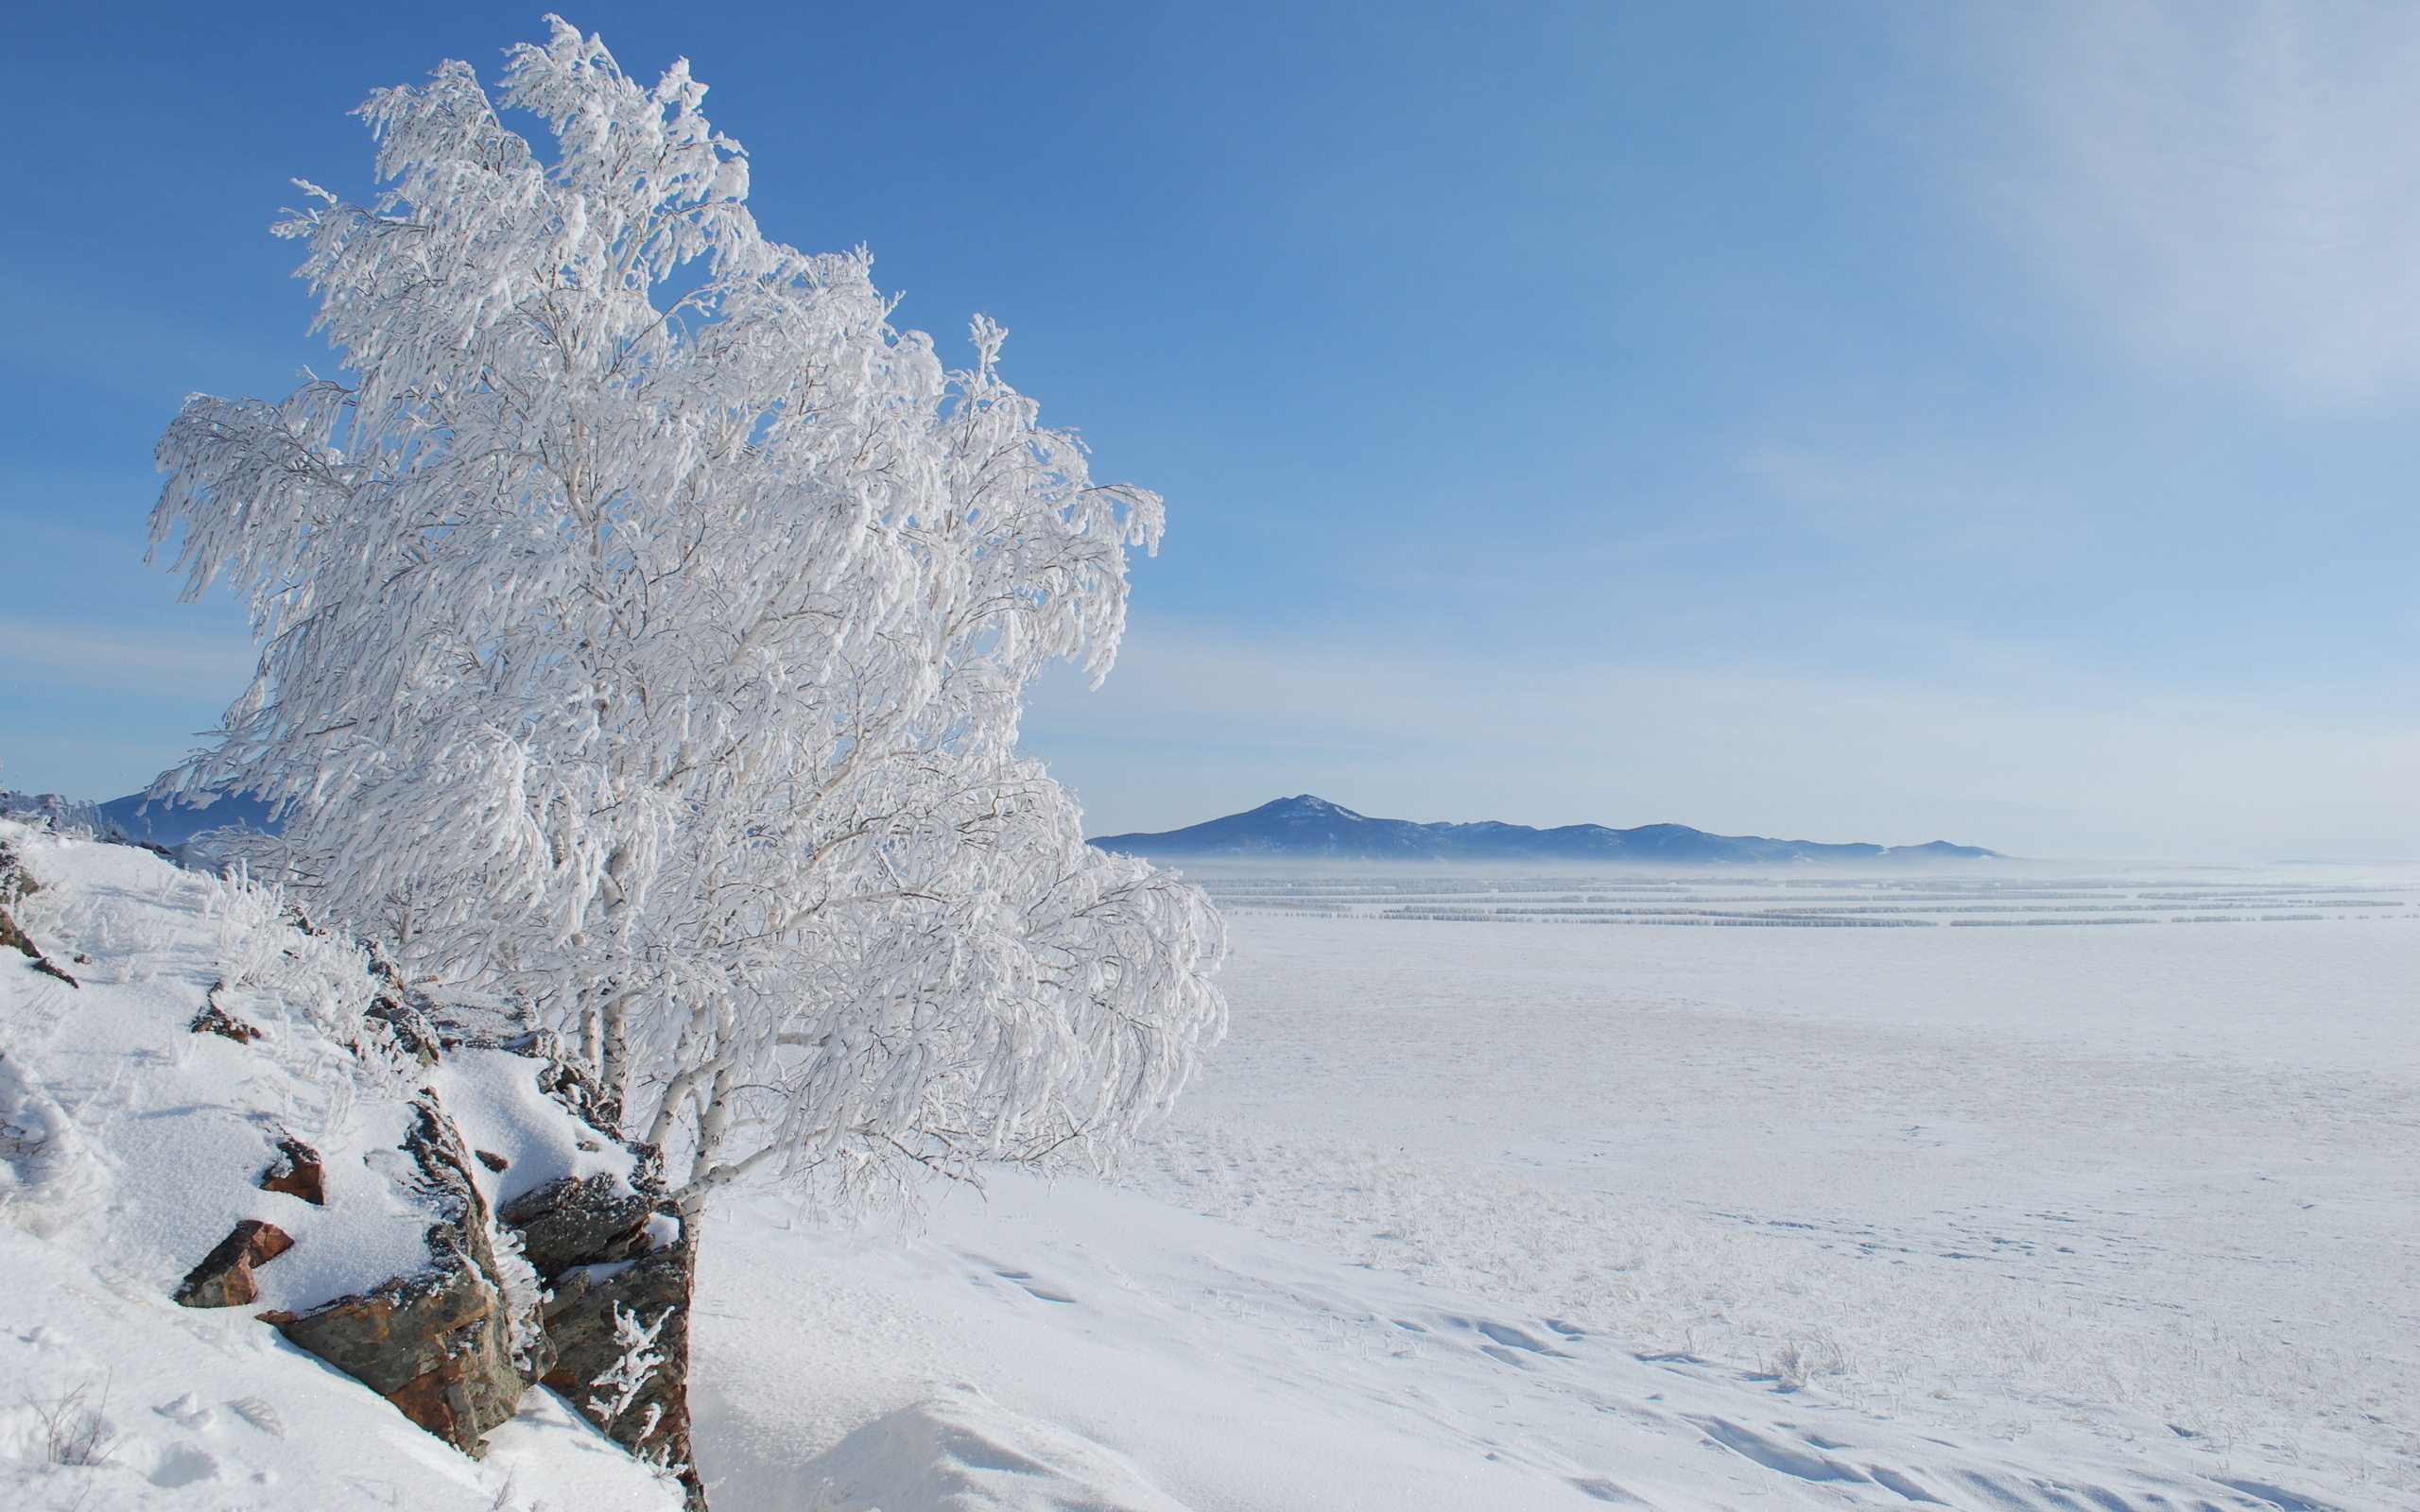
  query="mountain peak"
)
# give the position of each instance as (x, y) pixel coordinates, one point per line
(1306, 806)
(1307, 827)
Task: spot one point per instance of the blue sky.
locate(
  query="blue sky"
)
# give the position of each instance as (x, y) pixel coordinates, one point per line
(1879, 422)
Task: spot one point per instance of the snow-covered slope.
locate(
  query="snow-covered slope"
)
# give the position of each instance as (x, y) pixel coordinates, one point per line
(133, 1144)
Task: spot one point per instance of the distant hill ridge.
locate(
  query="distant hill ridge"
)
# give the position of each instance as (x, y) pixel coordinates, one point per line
(1304, 828)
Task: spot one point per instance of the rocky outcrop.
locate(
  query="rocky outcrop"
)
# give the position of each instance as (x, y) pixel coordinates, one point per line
(583, 1283)
(407, 1028)
(297, 1173)
(447, 1346)
(620, 1268)
(215, 1019)
(461, 1325)
(443, 1344)
(15, 883)
(224, 1277)
(597, 1312)
(437, 1345)
(571, 1222)
(615, 1260)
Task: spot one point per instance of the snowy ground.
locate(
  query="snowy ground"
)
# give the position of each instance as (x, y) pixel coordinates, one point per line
(1557, 1216)
(1823, 1201)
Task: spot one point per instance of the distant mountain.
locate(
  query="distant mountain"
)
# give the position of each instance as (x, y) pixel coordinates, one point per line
(169, 822)
(1313, 829)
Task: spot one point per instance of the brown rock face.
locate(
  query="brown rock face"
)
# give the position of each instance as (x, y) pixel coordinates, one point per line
(438, 1344)
(297, 1173)
(570, 1222)
(224, 1277)
(592, 1245)
(581, 1321)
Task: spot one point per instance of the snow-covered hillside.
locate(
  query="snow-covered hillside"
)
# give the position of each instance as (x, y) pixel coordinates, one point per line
(133, 1144)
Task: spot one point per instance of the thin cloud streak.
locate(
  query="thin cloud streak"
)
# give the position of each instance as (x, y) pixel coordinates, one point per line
(178, 664)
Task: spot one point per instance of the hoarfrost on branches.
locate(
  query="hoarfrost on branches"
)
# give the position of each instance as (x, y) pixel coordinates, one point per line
(630, 1371)
(660, 662)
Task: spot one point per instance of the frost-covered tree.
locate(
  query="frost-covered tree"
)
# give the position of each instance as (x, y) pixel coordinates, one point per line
(658, 658)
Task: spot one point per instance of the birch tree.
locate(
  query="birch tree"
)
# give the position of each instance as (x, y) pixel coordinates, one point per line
(658, 658)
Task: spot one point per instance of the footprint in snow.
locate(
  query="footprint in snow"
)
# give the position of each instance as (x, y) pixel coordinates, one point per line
(1025, 1281)
(1513, 1338)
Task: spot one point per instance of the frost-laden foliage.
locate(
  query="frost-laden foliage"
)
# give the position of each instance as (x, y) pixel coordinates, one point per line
(659, 659)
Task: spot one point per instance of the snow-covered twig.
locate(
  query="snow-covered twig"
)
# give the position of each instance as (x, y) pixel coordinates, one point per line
(629, 1373)
(73, 1432)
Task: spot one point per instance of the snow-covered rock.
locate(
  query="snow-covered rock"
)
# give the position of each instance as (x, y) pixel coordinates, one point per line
(133, 1147)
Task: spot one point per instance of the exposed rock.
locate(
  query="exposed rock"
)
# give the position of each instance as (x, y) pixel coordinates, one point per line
(403, 1021)
(224, 1277)
(429, 1020)
(216, 1019)
(11, 936)
(573, 1222)
(582, 1322)
(490, 1024)
(297, 1173)
(442, 1344)
(572, 1085)
(616, 1259)
(437, 1345)
(445, 1169)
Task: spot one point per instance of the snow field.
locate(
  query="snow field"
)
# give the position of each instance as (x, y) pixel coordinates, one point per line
(1992, 1219)
(1994, 1178)
(1077, 1347)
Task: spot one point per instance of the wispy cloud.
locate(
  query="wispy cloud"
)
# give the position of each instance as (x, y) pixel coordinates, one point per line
(1925, 506)
(2228, 183)
(165, 663)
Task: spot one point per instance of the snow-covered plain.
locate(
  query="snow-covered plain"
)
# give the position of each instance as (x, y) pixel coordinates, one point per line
(1779, 1209)
(1541, 1217)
